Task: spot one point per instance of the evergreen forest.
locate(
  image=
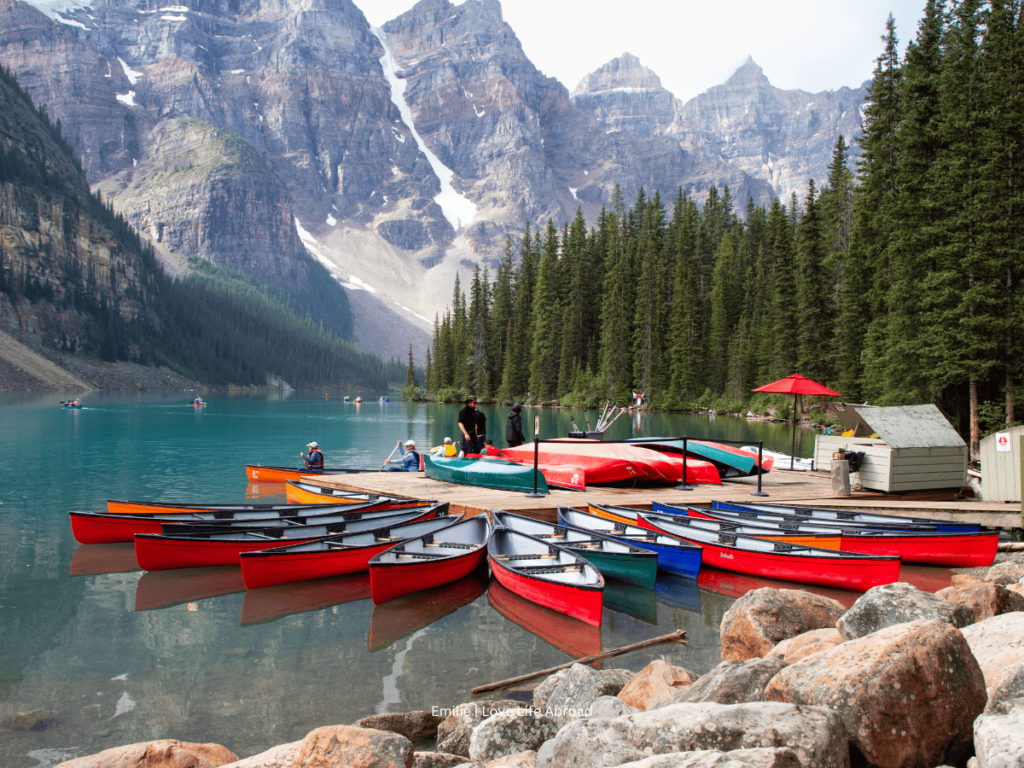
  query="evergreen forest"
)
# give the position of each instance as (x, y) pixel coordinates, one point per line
(896, 280)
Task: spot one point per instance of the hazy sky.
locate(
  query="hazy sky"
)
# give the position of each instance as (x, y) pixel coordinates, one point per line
(815, 45)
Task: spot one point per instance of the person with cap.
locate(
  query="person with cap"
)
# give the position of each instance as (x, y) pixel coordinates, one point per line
(410, 458)
(514, 427)
(315, 460)
(468, 426)
(448, 449)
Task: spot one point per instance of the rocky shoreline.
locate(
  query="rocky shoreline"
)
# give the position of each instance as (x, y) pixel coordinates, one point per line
(903, 679)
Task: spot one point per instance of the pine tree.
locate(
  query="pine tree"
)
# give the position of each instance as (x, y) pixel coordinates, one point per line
(685, 321)
(502, 315)
(814, 294)
(784, 327)
(547, 320)
(723, 314)
(410, 373)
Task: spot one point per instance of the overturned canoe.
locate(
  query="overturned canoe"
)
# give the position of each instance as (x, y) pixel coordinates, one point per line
(613, 558)
(432, 560)
(779, 560)
(330, 556)
(547, 575)
(674, 555)
(484, 473)
(728, 460)
(161, 552)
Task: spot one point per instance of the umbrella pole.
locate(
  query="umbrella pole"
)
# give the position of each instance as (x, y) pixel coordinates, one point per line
(792, 445)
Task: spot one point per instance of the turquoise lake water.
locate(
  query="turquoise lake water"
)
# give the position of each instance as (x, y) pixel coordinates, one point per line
(116, 656)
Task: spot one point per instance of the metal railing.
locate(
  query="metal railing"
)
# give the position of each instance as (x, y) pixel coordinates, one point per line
(683, 486)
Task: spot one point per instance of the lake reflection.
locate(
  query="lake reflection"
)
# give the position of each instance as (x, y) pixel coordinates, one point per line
(119, 656)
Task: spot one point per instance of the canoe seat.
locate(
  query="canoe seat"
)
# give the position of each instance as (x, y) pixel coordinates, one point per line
(550, 568)
(452, 545)
(335, 545)
(550, 536)
(781, 546)
(503, 558)
(421, 555)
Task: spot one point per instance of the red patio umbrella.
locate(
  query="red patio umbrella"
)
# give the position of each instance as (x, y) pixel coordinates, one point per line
(796, 385)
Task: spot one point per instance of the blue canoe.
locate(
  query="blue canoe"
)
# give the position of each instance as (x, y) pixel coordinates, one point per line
(674, 555)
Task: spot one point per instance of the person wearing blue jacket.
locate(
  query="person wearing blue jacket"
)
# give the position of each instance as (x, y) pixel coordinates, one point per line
(315, 462)
(410, 458)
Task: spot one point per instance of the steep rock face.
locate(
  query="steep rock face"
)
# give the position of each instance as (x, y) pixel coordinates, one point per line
(203, 191)
(783, 137)
(624, 95)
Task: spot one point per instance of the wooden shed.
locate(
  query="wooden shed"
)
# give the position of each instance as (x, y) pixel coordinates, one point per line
(1000, 465)
(916, 448)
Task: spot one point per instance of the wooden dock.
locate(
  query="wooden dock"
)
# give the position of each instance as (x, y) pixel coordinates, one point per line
(782, 487)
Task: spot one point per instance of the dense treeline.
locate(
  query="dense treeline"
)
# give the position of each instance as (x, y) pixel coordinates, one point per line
(898, 284)
(213, 325)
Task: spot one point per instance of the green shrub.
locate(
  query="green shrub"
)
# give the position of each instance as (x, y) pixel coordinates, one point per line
(452, 395)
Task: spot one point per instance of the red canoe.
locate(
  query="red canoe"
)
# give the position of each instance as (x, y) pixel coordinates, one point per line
(547, 575)
(430, 561)
(780, 560)
(104, 528)
(953, 550)
(330, 556)
(161, 552)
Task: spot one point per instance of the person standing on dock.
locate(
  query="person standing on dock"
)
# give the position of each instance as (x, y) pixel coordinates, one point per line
(410, 458)
(315, 460)
(467, 426)
(481, 431)
(514, 427)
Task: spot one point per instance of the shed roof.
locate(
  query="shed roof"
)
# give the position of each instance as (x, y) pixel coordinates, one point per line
(910, 426)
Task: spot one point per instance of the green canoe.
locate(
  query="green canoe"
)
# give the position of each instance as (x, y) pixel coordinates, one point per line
(486, 473)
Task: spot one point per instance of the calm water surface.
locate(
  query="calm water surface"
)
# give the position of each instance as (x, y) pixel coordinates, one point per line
(117, 656)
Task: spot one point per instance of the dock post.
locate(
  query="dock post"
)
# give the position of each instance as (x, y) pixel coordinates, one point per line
(536, 456)
(760, 456)
(682, 485)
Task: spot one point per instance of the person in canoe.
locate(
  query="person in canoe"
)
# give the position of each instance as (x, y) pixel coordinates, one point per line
(467, 426)
(410, 458)
(514, 427)
(315, 460)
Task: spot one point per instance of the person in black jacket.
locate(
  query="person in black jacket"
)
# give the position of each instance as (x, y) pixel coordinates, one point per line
(468, 425)
(514, 427)
(481, 431)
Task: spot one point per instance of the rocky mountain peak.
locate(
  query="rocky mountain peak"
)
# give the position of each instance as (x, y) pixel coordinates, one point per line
(749, 74)
(625, 72)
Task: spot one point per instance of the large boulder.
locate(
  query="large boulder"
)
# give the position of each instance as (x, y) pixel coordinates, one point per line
(999, 740)
(997, 643)
(352, 747)
(655, 683)
(510, 732)
(527, 759)
(772, 757)
(731, 682)
(1017, 589)
(417, 726)
(763, 618)
(800, 647)
(907, 694)
(815, 734)
(1008, 693)
(281, 756)
(985, 600)
(965, 580)
(567, 694)
(899, 603)
(453, 734)
(611, 706)
(165, 753)
(1005, 573)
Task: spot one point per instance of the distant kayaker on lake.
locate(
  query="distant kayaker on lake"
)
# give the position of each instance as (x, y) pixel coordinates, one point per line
(514, 427)
(410, 458)
(468, 426)
(315, 460)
